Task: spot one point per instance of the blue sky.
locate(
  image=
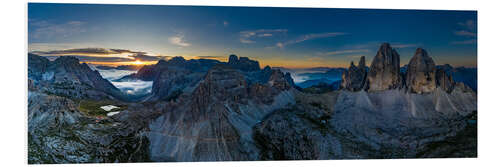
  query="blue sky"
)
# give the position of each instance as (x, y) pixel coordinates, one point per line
(289, 37)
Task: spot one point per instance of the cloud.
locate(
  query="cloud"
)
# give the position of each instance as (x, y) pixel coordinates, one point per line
(465, 33)
(355, 56)
(139, 57)
(247, 41)
(342, 52)
(225, 23)
(136, 87)
(45, 29)
(466, 42)
(404, 46)
(144, 57)
(95, 59)
(102, 55)
(87, 51)
(470, 33)
(249, 36)
(280, 45)
(265, 35)
(309, 37)
(469, 24)
(179, 41)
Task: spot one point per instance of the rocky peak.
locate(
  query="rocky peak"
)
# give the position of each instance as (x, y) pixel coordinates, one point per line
(178, 60)
(221, 83)
(355, 77)
(267, 68)
(361, 63)
(233, 59)
(37, 65)
(421, 73)
(67, 60)
(384, 69)
(443, 80)
(445, 67)
(65, 76)
(243, 63)
(278, 80)
(289, 79)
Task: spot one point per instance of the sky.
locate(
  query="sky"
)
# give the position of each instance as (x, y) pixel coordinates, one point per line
(279, 37)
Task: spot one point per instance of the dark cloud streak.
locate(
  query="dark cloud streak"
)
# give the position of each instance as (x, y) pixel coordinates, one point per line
(95, 51)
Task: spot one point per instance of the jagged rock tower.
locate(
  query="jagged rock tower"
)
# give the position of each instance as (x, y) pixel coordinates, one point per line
(421, 75)
(354, 78)
(384, 70)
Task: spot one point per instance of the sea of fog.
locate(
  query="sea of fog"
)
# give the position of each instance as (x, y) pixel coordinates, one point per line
(132, 87)
(297, 74)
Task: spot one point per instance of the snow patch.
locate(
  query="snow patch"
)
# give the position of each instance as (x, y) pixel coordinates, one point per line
(109, 107)
(112, 113)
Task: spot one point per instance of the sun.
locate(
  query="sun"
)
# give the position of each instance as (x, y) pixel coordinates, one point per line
(137, 62)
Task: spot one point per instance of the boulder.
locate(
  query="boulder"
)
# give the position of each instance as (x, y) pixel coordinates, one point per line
(384, 70)
(421, 73)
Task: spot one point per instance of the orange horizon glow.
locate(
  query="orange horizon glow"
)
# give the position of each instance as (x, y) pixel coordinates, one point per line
(291, 64)
(138, 62)
(114, 64)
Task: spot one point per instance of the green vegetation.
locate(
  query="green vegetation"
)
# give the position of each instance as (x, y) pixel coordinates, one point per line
(93, 108)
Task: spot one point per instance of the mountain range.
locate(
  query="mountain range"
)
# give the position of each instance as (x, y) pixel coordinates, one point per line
(207, 110)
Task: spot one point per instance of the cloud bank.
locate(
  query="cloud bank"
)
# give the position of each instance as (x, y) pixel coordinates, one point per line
(132, 87)
(102, 55)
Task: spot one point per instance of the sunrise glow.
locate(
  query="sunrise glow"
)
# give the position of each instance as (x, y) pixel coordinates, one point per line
(137, 62)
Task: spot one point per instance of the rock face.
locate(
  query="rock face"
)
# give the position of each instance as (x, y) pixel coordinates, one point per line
(462, 74)
(215, 121)
(176, 76)
(384, 70)
(395, 123)
(421, 73)
(355, 78)
(444, 81)
(243, 63)
(171, 82)
(300, 131)
(170, 78)
(289, 135)
(151, 72)
(37, 66)
(58, 132)
(280, 80)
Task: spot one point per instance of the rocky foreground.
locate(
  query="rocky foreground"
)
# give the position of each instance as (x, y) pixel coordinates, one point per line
(205, 110)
